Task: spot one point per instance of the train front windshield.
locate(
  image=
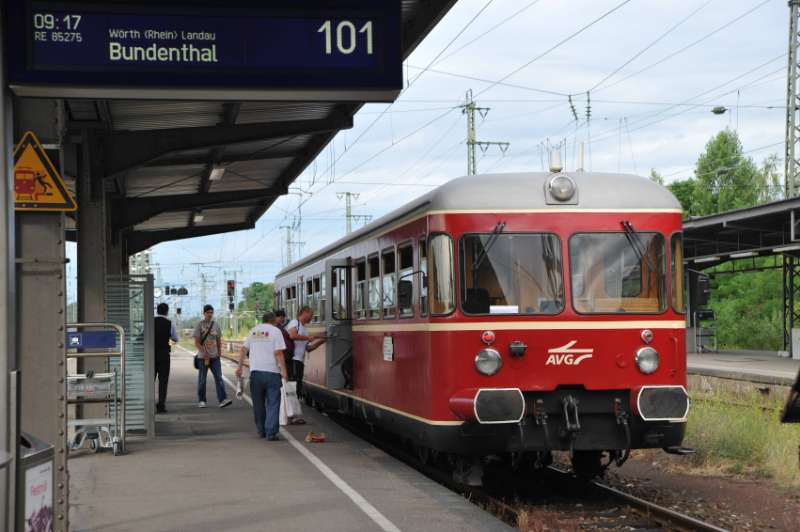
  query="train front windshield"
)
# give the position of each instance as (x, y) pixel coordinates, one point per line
(618, 273)
(511, 273)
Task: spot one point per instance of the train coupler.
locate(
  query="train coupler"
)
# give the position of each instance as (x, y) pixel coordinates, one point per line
(622, 416)
(572, 422)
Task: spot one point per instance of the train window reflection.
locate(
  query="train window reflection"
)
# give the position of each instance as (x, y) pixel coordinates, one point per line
(676, 270)
(374, 287)
(511, 274)
(423, 286)
(440, 278)
(389, 283)
(615, 273)
(406, 274)
(361, 290)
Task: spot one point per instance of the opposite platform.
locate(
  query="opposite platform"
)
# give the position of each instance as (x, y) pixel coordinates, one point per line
(207, 471)
(750, 366)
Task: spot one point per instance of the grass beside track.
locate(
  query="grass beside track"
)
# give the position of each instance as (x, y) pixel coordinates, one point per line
(743, 435)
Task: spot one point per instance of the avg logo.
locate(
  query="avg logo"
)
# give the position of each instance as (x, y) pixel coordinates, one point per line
(566, 355)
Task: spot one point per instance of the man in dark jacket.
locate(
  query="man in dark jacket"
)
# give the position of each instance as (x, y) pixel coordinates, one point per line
(164, 332)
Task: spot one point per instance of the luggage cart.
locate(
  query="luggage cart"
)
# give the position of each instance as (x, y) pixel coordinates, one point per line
(98, 340)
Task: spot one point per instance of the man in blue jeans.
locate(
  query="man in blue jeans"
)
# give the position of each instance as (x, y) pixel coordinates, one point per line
(208, 341)
(265, 344)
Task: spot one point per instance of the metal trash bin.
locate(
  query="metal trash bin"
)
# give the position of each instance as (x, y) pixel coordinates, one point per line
(35, 505)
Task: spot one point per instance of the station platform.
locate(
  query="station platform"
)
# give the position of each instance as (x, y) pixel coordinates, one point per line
(207, 470)
(749, 366)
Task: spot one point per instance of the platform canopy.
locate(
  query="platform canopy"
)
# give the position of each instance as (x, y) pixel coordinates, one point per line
(207, 163)
(763, 230)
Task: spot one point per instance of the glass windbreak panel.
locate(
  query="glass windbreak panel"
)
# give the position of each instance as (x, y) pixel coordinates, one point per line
(676, 270)
(618, 273)
(389, 278)
(441, 278)
(511, 274)
(406, 275)
(423, 286)
(361, 290)
(374, 287)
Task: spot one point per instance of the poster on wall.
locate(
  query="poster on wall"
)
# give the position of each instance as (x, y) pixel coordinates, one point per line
(39, 498)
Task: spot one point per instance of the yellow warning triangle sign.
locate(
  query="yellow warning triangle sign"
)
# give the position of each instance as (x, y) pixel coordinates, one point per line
(37, 184)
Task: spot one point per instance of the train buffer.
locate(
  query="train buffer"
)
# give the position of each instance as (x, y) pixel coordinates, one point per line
(207, 470)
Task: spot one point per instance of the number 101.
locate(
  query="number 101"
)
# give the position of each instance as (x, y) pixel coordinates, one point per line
(346, 36)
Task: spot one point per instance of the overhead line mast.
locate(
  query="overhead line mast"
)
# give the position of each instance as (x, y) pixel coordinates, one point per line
(469, 109)
(792, 104)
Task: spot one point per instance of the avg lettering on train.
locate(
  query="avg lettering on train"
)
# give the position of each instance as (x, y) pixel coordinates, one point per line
(567, 355)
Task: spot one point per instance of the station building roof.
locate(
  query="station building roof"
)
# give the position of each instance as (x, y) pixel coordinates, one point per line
(161, 155)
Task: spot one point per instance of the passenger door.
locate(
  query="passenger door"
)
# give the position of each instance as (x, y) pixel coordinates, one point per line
(338, 325)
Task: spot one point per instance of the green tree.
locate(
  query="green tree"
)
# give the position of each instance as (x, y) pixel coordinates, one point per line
(725, 178)
(655, 177)
(258, 297)
(683, 189)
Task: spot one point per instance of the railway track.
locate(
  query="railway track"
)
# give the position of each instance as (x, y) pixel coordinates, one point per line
(551, 499)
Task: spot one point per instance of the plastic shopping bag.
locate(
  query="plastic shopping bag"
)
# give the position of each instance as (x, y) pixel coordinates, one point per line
(293, 408)
(283, 418)
(239, 388)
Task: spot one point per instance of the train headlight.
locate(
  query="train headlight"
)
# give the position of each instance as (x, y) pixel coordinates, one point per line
(647, 360)
(488, 361)
(561, 187)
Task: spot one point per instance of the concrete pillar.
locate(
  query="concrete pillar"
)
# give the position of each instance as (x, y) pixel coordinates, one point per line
(41, 310)
(92, 238)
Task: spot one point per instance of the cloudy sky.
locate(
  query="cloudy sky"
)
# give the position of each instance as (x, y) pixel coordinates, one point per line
(654, 70)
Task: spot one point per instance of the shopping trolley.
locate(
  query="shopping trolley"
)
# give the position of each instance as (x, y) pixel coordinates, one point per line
(98, 340)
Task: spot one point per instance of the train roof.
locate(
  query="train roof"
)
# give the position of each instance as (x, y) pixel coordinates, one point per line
(518, 191)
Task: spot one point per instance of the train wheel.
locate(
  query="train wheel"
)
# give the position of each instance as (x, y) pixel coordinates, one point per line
(588, 464)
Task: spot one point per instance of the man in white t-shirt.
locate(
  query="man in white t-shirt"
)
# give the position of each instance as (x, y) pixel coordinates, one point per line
(303, 343)
(265, 344)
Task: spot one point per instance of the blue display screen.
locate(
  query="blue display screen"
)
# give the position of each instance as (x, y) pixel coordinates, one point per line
(240, 44)
(69, 38)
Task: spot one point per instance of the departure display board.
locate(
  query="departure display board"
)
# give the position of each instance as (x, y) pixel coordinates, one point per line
(349, 47)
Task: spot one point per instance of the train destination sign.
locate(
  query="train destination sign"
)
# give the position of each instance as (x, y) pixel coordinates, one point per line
(213, 50)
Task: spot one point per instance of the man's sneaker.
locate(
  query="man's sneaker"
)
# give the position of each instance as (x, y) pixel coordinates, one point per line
(201, 404)
(225, 403)
(274, 438)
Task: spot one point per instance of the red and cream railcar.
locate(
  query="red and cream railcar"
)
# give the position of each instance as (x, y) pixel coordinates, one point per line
(514, 313)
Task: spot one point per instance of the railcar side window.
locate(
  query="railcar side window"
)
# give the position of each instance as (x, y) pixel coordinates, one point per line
(310, 295)
(340, 294)
(389, 284)
(441, 283)
(317, 301)
(361, 290)
(423, 285)
(323, 297)
(676, 270)
(617, 273)
(511, 274)
(374, 287)
(406, 275)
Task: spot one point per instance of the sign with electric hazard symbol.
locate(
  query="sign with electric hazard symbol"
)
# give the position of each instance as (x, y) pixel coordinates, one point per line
(37, 184)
